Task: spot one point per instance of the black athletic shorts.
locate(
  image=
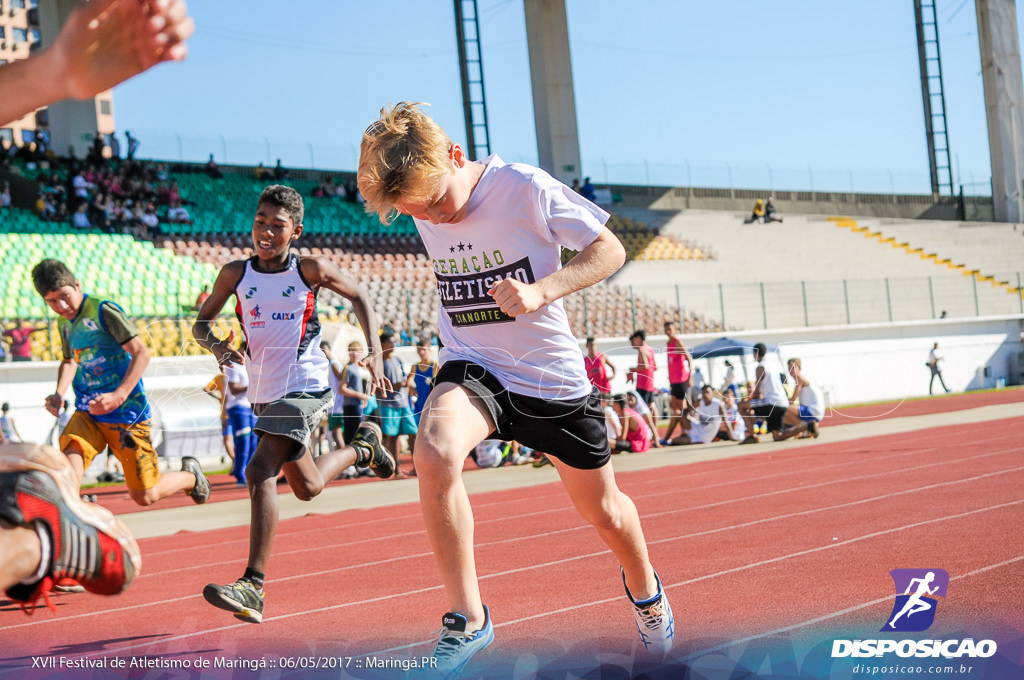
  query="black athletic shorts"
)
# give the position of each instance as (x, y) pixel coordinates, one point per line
(678, 390)
(772, 413)
(571, 430)
(646, 395)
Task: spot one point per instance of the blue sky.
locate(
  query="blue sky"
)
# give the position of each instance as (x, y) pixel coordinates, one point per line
(805, 94)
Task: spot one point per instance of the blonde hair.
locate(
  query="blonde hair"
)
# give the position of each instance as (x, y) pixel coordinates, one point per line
(403, 156)
(795, 362)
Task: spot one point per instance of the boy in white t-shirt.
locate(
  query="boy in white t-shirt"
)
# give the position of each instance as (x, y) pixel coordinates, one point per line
(510, 366)
(806, 408)
(706, 421)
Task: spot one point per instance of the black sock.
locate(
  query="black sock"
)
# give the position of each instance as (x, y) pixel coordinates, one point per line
(255, 576)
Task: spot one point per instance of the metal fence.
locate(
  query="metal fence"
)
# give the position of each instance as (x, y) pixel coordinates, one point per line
(344, 155)
(794, 304)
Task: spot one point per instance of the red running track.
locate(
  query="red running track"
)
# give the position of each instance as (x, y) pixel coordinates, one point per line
(797, 540)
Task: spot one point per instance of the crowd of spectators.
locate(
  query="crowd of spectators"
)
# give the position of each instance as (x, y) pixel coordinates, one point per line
(328, 188)
(116, 195)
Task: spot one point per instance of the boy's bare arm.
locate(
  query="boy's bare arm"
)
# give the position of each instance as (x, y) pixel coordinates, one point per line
(108, 401)
(65, 375)
(322, 272)
(800, 382)
(758, 381)
(202, 331)
(593, 264)
(103, 43)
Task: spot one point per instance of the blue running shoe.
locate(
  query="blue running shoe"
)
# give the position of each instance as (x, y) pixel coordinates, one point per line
(455, 647)
(654, 620)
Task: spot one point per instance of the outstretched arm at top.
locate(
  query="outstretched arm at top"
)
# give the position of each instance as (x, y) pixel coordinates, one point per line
(202, 331)
(103, 43)
(322, 272)
(593, 264)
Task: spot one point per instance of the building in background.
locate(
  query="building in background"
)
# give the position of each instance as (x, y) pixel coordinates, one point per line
(26, 26)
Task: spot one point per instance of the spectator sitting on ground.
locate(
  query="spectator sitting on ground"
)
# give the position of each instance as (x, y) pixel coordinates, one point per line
(758, 214)
(806, 407)
(262, 172)
(732, 414)
(707, 421)
(636, 437)
(768, 399)
(634, 401)
(770, 214)
(5, 196)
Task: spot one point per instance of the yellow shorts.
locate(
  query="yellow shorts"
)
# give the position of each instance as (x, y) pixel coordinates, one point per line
(130, 443)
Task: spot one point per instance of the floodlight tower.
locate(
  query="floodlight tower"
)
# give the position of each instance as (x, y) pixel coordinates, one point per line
(471, 68)
(934, 98)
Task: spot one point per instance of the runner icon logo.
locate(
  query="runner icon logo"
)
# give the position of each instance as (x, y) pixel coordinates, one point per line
(914, 609)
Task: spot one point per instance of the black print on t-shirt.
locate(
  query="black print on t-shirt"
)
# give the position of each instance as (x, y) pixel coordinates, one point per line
(465, 299)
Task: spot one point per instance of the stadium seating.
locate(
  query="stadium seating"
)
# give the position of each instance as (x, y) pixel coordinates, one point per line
(157, 283)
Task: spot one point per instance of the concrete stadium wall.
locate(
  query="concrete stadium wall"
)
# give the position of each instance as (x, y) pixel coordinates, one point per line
(866, 362)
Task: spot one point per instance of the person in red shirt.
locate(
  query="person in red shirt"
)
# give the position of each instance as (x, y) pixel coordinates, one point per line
(599, 369)
(679, 362)
(643, 373)
(20, 339)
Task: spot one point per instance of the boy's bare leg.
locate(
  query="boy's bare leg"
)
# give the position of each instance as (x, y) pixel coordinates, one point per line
(22, 552)
(169, 484)
(74, 453)
(451, 425)
(261, 474)
(308, 476)
(599, 501)
(788, 432)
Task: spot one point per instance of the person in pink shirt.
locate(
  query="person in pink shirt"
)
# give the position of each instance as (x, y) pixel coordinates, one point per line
(643, 373)
(679, 362)
(599, 369)
(20, 339)
(636, 436)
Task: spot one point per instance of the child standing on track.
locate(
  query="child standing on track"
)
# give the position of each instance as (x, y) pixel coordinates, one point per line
(103, 359)
(275, 292)
(509, 364)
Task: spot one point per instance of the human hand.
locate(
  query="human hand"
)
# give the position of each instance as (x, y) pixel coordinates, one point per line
(105, 403)
(225, 353)
(105, 42)
(380, 384)
(53, 404)
(515, 297)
